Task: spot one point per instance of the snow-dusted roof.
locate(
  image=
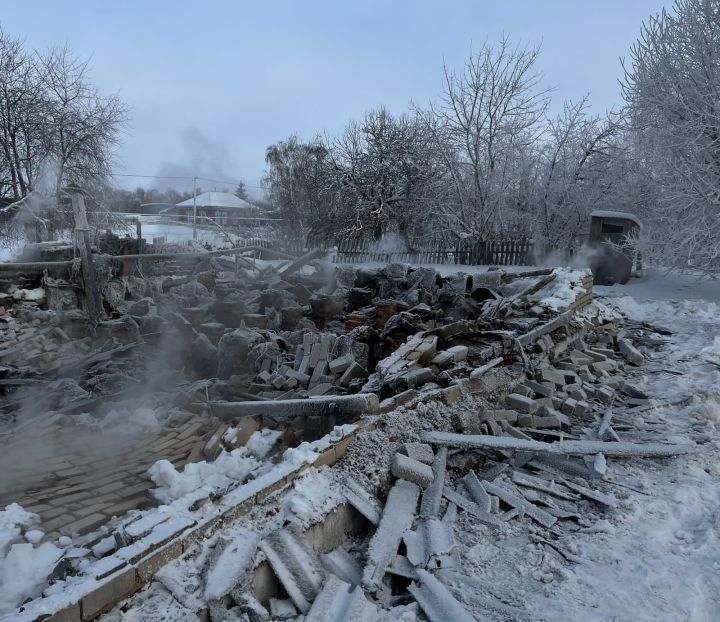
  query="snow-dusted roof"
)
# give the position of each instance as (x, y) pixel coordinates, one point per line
(604, 213)
(217, 199)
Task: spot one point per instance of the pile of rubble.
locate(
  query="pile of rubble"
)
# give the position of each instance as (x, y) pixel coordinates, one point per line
(289, 351)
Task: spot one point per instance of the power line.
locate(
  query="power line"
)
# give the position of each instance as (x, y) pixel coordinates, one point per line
(217, 181)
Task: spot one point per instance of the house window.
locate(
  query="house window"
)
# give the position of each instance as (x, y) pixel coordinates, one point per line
(608, 227)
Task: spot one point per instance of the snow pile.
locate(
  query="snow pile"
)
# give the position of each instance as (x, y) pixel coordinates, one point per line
(23, 567)
(563, 291)
(12, 521)
(227, 470)
(297, 456)
(24, 571)
(262, 441)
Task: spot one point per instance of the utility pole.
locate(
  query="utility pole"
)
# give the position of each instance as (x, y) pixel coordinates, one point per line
(194, 208)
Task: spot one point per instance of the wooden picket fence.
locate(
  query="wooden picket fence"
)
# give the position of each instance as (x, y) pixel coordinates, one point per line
(507, 252)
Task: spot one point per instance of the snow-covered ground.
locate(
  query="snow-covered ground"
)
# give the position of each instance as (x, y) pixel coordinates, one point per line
(658, 558)
(659, 284)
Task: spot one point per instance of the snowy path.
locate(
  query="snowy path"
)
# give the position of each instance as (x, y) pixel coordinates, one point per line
(660, 557)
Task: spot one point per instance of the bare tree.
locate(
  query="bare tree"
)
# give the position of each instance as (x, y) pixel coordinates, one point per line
(385, 169)
(84, 124)
(672, 90)
(583, 166)
(296, 185)
(488, 116)
(23, 120)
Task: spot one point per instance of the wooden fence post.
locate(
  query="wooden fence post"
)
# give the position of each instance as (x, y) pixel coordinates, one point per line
(90, 288)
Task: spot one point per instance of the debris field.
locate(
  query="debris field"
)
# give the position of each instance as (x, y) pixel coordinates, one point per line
(313, 440)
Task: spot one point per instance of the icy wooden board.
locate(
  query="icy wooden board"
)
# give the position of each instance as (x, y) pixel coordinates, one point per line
(396, 520)
(622, 449)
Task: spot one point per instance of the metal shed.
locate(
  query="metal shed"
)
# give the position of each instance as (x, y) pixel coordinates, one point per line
(612, 260)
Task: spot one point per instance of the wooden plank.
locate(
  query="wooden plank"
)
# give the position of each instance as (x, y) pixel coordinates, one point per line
(91, 290)
(577, 448)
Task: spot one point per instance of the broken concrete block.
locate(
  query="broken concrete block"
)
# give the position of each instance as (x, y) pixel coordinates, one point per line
(581, 408)
(604, 366)
(542, 389)
(568, 406)
(521, 403)
(339, 365)
(443, 359)
(459, 353)
(415, 377)
(522, 389)
(605, 395)
(427, 350)
(488, 425)
(296, 565)
(549, 418)
(466, 422)
(320, 389)
(578, 394)
(525, 420)
(502, 415)
(352, 372)
(422, 452)
(404, 467)
(303, 379)
(550, 374)
(214, 446)
(570, 377)
(477, 492)
(397, 518)
(595, 355)
(630, 352)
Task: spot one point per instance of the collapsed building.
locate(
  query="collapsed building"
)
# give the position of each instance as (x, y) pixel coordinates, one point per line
(414, 398)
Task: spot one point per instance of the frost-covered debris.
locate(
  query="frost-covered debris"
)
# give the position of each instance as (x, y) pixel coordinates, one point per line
(425, 368)
(313, 494)
(529, 571)
(564, 290)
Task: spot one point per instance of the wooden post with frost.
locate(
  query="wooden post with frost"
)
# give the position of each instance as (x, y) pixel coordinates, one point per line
(91, 291)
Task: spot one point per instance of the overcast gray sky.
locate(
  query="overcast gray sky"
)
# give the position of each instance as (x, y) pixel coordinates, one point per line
(211, 84)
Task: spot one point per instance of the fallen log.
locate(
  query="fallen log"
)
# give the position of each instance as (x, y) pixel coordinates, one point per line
(567, 448)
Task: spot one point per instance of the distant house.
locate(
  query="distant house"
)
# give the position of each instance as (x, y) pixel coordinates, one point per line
(222, 208)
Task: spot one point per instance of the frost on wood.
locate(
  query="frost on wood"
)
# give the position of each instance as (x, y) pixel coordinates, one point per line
(295, 564)
(436, 601)
(629, 450)
(397, 518)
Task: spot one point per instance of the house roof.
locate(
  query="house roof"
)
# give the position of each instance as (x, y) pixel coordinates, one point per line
(217, 199)
(600, 213)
